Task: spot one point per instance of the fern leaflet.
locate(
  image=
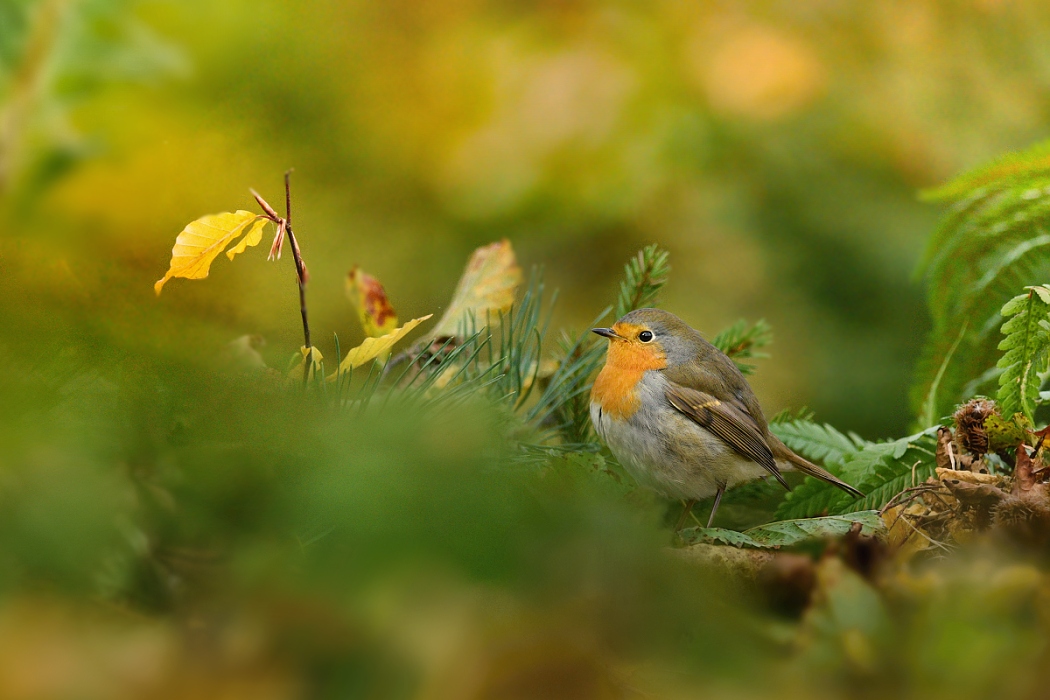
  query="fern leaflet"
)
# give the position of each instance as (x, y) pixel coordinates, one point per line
(1025, 346)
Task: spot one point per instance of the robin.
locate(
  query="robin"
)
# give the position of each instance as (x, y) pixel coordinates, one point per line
(680, 416)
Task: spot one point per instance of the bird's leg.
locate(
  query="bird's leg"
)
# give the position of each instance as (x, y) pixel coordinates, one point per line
(685, 513)
(714, 508)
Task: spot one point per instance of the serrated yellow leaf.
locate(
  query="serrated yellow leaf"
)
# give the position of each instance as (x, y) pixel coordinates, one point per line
(373, 307)
(202, 240)
(486, 288)
(374, 347)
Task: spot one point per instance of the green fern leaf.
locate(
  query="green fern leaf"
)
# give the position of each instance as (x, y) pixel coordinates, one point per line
(875, 469)
(819, 443)
(811, 498)
(903, 463)
(893, 481)
(1025, 345)
(815, 442)
(997, 232)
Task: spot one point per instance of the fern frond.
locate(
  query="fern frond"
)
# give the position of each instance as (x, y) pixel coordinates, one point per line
(994, 241)
(815, 442)
(880, 470)
(741, 342)
(1025, 347)
(929, 407)
(644, 275)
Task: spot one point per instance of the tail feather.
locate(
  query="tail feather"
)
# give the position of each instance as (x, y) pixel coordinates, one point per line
(782, 451)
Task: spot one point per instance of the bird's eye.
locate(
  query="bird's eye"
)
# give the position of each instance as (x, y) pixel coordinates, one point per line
(645, 336)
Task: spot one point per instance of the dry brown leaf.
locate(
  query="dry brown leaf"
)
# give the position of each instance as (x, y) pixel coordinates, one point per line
(946, 457)
(487, 287)
(1028, 473)
(373, 307)
(968, 477)
(904, 537)
(202, 240)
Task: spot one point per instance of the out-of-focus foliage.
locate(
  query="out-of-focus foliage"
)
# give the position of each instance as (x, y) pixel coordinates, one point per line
(787, 533)
(55, 55)
(993, 243)
(446, 524)
(773, 148)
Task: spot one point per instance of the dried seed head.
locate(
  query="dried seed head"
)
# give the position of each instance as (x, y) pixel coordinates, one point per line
(1024, 517)
(970, 434)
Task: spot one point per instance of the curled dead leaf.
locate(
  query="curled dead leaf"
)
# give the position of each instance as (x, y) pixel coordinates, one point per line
(968, 477)
(1028, 473)
(946, 456)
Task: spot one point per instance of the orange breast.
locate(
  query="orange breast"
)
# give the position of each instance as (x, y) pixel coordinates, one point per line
(616, 387)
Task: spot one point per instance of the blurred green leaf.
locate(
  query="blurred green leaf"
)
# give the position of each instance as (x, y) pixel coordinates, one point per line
(786, 533)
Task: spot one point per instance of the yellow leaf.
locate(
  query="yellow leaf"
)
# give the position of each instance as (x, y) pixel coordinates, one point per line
(296, 372)
(373, 307)
(251, 238)
(374, 347)
(202, 240)
(487, 287)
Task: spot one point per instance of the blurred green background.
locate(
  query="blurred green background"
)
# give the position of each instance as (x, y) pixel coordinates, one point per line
(775, 148)
(166, 531)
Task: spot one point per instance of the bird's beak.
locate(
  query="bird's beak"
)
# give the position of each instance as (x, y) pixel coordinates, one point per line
(607, 333)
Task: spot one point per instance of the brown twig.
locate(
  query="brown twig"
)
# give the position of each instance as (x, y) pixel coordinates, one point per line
(910, 494)
(300, 271)
(284, 226)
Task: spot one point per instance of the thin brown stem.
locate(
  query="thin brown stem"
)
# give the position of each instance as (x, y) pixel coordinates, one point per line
(300, 271)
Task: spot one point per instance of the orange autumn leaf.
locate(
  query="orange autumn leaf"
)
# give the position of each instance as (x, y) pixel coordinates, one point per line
(202, 240)
(486, 288)
(373, 307)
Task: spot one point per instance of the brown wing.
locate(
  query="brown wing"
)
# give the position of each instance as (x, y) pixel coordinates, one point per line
(733, 425)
